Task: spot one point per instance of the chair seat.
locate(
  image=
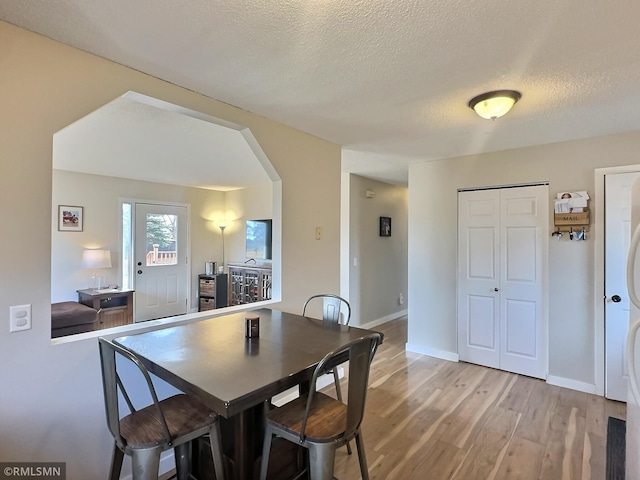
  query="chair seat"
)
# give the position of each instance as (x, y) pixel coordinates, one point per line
(184, 414)
(320, 423)
(326, 422)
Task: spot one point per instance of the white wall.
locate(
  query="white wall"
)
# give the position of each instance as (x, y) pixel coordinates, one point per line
(567, 166)
(380, 276)
(242, 205)
(51, 406)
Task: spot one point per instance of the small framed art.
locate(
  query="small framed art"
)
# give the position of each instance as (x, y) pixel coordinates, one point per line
(385, 226)
(70, 219)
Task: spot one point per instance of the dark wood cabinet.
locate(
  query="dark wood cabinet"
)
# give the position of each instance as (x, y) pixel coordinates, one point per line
(115, 307)
(212, 291)
(249, 283)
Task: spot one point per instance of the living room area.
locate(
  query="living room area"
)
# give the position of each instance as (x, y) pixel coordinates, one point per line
(139, 184)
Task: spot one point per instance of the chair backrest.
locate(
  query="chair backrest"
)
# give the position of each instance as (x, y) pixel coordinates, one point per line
(111, 384)
(360, 352)
(334, 308)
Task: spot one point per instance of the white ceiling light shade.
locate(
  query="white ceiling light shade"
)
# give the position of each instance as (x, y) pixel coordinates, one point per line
(492, 105)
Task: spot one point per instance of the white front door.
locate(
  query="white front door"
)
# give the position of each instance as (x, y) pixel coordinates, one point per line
(617, 238)
(161, 272)
(502, 258)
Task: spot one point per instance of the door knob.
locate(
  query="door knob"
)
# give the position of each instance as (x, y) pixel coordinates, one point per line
(496, 289)
(616, 299)
(139, 272)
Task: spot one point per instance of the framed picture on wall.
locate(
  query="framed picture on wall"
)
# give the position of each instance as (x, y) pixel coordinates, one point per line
(70, 219)
(385, 226)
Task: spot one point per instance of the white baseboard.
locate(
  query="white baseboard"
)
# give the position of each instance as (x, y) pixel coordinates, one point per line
(571, 384)
(167, 461)
(432, 352)
(380, 321)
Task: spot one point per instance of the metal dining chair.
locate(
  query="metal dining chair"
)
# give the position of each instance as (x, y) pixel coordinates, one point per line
(334, 309)
(337, 310)
(163, 424)
(320, 423)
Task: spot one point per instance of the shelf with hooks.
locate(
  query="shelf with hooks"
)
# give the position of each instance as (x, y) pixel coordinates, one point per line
(571, 216)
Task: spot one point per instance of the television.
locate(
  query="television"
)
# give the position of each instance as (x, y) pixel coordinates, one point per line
(259, 239)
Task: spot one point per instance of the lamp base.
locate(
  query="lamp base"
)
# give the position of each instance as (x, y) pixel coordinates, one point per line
(96, 282)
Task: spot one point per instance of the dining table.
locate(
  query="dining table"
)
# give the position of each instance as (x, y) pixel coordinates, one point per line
(215, 360)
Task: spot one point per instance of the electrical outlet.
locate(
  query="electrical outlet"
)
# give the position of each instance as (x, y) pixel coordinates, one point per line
(19, 318)
(401, 299)
(318, 233)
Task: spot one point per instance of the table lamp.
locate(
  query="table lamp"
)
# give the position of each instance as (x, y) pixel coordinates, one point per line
(96, 259)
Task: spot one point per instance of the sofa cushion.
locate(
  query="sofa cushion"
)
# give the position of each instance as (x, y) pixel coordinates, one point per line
(72, 317)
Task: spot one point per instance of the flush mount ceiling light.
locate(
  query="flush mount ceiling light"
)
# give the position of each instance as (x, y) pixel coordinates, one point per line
(492, 105)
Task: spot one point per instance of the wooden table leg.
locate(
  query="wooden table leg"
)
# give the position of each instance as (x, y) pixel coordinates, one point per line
(245, 448)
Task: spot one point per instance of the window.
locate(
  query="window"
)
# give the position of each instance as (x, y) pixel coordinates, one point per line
(127, 244)
(259, 239)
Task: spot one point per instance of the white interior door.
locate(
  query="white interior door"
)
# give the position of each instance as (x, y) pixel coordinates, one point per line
(617, 239)
(502, 261)
(161, 270)
(524, 228)
(478, 277)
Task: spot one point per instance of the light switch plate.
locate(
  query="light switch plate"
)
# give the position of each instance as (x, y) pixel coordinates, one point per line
(19, 318)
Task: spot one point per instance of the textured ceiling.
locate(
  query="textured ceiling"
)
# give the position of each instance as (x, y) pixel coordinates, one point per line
(387, 80)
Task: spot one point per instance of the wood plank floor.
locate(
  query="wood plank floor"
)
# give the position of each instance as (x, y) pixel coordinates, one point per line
(430, 418)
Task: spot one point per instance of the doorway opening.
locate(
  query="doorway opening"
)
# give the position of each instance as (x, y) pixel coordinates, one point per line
(141, 147)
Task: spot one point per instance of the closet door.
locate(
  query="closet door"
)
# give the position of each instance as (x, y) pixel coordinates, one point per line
(524, 228)
(502, 256)
(478, 277)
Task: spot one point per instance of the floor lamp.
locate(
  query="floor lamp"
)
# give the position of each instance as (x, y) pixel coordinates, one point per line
(222, 227)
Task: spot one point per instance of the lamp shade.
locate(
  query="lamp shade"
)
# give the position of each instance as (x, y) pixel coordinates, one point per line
(96, 259)
(492, 105)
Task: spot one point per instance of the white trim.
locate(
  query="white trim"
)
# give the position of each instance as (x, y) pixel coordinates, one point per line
(571, 384)
(598, 283)
(345, 234)
(432, 352)
(172, 107)
(380, 321)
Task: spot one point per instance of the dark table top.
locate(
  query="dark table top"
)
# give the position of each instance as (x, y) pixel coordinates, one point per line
(213, 360)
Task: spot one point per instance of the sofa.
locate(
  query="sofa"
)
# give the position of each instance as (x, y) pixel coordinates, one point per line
(68, 318)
